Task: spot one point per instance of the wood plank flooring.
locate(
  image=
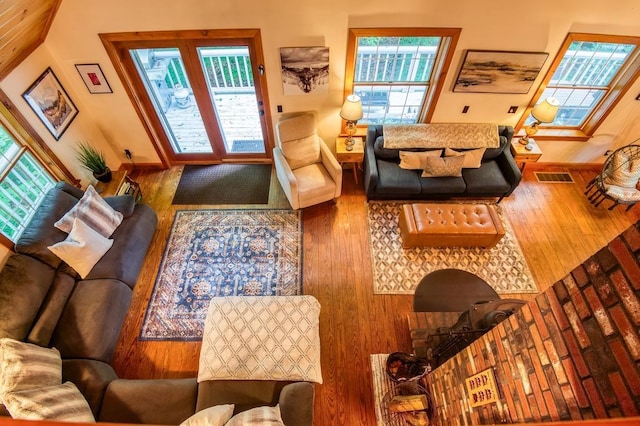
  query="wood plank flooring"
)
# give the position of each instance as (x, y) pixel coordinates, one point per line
(555, 224)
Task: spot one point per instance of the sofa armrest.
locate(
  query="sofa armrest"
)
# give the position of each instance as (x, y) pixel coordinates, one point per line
(156, 401)
(370, 167)
(296, 404)
(509, 169)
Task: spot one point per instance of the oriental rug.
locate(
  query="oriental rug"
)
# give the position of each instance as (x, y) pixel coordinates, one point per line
(398, 271)
(215, 253)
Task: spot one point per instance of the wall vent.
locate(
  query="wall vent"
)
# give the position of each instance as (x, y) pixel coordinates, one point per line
(547, 177)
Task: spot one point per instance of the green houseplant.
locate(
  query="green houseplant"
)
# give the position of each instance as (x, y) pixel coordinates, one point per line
(93, 161)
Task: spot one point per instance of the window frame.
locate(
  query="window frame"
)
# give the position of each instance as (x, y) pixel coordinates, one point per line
(619, 86)
(450, 37)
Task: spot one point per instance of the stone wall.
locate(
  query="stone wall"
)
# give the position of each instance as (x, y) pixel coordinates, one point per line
(572, 353)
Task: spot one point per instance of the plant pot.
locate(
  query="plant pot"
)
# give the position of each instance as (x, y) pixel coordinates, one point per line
(104, 177)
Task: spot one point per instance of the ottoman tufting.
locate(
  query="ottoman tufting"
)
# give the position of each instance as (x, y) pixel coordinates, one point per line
(446, 225)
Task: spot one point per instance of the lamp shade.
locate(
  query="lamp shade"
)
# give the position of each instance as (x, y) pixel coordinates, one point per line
(352, 108)
(545, 111)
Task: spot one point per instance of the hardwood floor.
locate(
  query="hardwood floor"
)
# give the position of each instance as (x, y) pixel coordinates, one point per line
(555, 224)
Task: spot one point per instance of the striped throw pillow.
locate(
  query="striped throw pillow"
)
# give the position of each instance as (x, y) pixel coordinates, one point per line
(24, 366)
(259, 416)
(62, 402)
(93, 211)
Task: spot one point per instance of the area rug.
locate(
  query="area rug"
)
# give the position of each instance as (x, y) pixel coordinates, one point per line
(398, 271)
(224, 184)
(213, 253)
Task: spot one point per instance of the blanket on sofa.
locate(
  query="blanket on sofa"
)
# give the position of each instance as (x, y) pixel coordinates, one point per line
(441, 135)
(261, 338)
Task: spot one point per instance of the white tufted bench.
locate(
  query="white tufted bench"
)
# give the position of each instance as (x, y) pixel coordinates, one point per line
(447, 225)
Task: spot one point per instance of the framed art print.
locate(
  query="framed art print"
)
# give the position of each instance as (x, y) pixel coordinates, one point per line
(51, 103)
(305, 70)
(93, 78)
(495, 71)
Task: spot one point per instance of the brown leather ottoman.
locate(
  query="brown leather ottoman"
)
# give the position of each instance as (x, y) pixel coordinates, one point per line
(450, 225)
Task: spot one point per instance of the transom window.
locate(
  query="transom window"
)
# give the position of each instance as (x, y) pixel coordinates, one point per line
(589, 75)
(23, 184)
(395, 71)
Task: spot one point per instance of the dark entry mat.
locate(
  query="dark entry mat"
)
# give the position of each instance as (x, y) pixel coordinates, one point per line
(224, 184)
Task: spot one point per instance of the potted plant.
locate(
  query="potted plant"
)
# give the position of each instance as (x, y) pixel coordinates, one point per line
(94, 161)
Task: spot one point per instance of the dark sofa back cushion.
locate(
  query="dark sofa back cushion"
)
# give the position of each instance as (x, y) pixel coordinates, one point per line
(24, 283)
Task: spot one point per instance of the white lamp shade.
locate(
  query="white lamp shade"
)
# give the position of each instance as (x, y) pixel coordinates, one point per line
(545, 111)
(352, 108)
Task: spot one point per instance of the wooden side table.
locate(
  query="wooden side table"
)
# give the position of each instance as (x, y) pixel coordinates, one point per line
(355, 156)
(522, 156)
(121, 184)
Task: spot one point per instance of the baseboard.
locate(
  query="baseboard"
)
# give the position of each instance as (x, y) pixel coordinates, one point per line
(573, 166)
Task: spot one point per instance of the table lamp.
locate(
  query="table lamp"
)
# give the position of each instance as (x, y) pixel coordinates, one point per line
(352, 112)
(544, 112)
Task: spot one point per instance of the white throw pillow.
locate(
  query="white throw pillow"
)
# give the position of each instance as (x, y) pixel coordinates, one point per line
(93, 211)
(259, 416)
(472, 157)
(24, 366)
(217, 415)
(417, 160)
(82, 249)
(62, 403)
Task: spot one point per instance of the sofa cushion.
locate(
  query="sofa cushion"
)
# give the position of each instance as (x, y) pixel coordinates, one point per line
(25, 366)
(417, 160)
(94, 211)
(91, 377)
(443, 166)
(91, 321)
(24, 283)
(40, 232)
(62, 402)
(385, 153)
(52, 306)
(393, 179)
(488, 179)
(442, 185)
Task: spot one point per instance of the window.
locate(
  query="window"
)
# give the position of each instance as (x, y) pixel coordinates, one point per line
(397, 72)
(23, 184)
(588, 77)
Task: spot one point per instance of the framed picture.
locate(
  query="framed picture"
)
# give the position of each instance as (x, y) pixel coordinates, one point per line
(495, 71)
(93, 78)
(51, 103)
(305, 70)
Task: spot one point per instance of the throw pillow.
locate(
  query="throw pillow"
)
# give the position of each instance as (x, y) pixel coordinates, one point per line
(82, 249)
(443, 166)
(62, 402)
(263, 416)
(472, 157)
(93, 211)
(417, 160)
(626, 171)
(24, 366)
(217, 415)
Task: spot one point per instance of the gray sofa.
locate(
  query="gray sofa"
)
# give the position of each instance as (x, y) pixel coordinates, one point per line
(43, 301)
(497, 176)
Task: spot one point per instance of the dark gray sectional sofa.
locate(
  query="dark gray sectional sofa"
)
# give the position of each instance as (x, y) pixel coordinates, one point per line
(497, 176)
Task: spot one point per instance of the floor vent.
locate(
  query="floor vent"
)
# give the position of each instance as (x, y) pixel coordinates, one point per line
(547, 177)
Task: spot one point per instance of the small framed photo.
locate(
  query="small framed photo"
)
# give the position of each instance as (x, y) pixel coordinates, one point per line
(51, 103)
(93, 78)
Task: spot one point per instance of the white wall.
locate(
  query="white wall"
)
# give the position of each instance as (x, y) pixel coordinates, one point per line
(492, 25)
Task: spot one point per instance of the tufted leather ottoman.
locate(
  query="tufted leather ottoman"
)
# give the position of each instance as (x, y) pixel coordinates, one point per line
(446, 225)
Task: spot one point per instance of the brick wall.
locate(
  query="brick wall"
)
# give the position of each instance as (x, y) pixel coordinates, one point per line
(572, 353)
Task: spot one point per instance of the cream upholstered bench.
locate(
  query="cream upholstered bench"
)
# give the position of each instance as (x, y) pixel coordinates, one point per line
(446, 225)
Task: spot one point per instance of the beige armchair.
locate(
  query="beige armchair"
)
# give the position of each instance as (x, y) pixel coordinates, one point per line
(306, 168)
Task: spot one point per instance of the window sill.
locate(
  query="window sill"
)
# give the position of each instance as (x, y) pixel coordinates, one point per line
(571, 135)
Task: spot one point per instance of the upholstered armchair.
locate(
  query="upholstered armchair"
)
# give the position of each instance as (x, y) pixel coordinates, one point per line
(306, 168)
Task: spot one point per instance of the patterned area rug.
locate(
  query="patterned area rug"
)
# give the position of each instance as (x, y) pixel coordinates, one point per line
(398, 271)
(213, 253)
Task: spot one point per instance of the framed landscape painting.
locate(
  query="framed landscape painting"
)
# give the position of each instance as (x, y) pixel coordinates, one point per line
(51, 103)
(495, 71)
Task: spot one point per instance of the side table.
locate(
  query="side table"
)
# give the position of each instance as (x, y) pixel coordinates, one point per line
(522, 156)
(355, 156)
(120, 184)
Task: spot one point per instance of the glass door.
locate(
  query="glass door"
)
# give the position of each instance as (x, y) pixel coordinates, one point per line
(198, 93)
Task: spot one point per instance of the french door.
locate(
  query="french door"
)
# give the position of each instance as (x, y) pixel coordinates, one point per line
(201, 93)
